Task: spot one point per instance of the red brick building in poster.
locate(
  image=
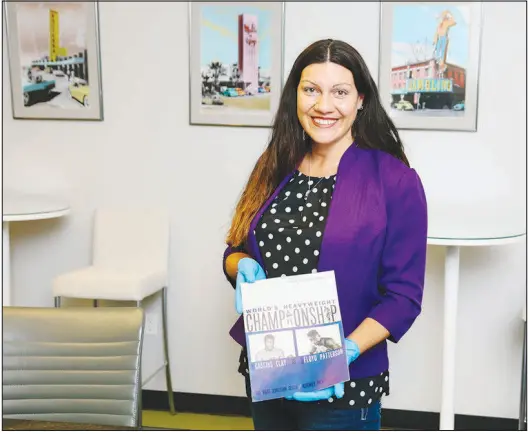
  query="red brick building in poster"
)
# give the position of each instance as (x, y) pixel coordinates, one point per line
(419, 84)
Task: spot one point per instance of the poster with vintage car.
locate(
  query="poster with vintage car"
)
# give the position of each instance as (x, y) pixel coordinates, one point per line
(54, 60)
(235, 62)
(429, 65)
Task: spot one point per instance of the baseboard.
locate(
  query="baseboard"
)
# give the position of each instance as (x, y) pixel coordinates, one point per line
(196, 403)
(395, 419)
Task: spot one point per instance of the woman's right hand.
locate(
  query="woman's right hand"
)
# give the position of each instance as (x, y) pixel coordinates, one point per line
(248, 271)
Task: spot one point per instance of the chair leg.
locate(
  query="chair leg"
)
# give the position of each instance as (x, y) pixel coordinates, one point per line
(139, 405)
(169, 385)
(522, 406)
(57, 301)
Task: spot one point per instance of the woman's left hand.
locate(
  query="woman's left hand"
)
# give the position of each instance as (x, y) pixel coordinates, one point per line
(352, 352)
(319, 395)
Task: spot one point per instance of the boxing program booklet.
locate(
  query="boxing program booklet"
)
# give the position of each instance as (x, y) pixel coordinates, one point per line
(294, 335)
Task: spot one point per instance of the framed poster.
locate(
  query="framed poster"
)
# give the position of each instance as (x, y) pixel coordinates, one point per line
(54, 60)
(236, 62)
(429, 64)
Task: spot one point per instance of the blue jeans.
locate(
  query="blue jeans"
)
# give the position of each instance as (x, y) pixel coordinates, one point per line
(281, 414)
(286, 415)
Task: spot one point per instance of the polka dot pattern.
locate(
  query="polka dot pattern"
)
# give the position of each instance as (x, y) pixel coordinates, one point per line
(290, 230)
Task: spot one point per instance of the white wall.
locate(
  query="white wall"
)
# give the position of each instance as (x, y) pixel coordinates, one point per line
(145, 152)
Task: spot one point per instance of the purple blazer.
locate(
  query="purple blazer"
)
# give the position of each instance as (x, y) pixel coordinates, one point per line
(375, 239)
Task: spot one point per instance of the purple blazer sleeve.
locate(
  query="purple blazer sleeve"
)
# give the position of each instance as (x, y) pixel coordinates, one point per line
(228, 251)
(402, 272)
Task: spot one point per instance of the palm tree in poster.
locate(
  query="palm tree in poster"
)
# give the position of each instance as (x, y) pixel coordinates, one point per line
(236, 75)
(216, 68)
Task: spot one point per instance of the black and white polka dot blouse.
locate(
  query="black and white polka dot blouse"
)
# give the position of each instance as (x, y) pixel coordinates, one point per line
(289, 233)
(289, 236)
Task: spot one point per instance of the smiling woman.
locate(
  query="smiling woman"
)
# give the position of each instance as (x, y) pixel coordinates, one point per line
(327, 105)
(334, 191)
(330, 63)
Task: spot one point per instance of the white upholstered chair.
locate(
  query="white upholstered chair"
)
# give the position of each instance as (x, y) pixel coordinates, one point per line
(129, 263)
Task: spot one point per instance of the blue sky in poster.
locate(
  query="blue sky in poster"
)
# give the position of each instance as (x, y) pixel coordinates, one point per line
(219, 33)
(416, 24)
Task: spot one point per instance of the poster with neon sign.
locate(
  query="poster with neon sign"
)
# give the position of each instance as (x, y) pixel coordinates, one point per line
(429, 64)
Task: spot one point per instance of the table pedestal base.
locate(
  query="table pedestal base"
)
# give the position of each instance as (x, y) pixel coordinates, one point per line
(452, 267)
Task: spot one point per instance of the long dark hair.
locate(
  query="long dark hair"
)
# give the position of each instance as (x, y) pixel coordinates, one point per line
(372, 129)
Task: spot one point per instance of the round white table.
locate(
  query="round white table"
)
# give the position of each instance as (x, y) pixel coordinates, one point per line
(24, 207)
(451, 273)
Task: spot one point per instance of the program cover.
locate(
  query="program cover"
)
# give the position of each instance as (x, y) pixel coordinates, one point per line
(294, 335)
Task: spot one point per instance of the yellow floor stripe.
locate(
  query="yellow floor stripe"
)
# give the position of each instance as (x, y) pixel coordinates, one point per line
(198, 422)
(190, 421)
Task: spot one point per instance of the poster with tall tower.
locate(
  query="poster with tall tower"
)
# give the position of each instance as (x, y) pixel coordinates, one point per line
(235, 62)
(429, 65)
(54, 60)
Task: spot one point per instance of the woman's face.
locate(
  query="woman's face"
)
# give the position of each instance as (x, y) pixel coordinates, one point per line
(327, 103)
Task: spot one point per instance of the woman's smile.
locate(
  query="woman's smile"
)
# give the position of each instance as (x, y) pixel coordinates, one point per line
(321, 122)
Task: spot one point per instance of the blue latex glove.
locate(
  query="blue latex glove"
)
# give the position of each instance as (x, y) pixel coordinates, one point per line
(319, 395)
(352, 352)
(248, 271)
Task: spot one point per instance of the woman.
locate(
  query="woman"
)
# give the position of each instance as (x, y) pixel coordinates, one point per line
(334, 191)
